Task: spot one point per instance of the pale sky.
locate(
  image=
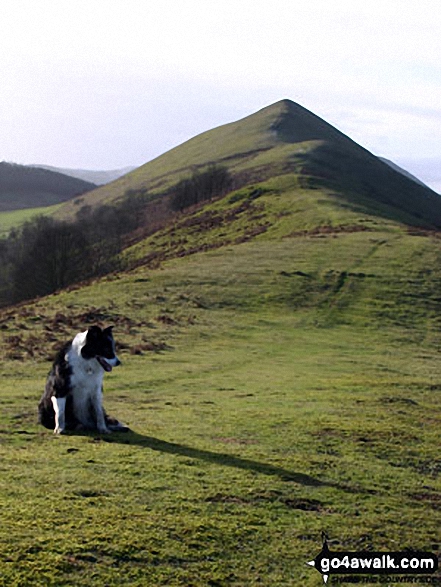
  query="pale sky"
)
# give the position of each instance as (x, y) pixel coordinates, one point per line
(102, 84)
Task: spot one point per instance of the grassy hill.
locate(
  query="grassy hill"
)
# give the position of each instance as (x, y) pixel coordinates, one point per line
(279, 139)
(280, 375)
(281, 378)
(27, 187)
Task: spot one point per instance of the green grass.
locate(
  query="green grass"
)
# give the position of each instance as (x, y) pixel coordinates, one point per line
(275, 388)
(15, 218)
(279, 208)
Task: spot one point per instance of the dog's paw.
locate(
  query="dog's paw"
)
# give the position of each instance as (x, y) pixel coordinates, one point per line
(122, 428)
(104, 430)
(119, 427)
(58, 430)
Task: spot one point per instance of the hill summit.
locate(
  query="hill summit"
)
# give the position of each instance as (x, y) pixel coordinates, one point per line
(279, 139)
(295, 124)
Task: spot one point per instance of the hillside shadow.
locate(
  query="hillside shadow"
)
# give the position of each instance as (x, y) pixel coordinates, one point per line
(221, 459)
(367, 185)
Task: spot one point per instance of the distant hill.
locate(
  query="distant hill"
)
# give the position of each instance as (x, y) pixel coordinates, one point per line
(279, 139)
(401, 170)
(27, 187)
(89, 175)
(427, 167)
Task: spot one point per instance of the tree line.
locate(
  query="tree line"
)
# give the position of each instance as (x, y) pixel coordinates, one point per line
(47, 254)
(201, 186)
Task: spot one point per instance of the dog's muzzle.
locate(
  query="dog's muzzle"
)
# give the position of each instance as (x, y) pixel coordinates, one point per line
(108, 364)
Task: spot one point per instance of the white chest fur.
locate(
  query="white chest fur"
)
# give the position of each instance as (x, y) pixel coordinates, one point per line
(86, 383)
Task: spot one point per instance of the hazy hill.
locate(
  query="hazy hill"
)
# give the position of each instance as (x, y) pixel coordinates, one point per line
(26, 187)
(282, 138)
(90, 175)
(401, 170)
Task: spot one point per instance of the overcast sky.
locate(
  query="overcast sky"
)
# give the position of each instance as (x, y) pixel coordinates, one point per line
(102, 84)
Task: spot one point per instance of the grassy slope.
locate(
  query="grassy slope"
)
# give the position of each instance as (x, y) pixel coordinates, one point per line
(237, 142)
(279, 382)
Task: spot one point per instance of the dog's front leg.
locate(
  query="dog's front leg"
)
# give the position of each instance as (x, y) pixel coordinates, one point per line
(100, 417)
(59, 404)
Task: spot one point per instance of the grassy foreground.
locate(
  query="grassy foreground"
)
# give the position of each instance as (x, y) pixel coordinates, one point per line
(275, 389)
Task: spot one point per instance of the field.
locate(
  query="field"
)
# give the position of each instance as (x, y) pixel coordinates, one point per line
(16, 218)
(277, 384)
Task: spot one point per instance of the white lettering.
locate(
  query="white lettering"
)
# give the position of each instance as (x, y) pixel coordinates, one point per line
(390, 562)
(324, 563)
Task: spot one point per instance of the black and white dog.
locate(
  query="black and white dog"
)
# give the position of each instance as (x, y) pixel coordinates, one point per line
(72, 399)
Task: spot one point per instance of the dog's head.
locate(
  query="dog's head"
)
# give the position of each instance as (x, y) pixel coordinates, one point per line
(100, 345)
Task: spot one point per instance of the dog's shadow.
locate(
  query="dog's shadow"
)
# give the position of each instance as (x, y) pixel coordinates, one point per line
(217, 458)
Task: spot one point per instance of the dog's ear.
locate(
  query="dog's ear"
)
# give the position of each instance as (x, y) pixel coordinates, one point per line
(93, 332)
(92, 337)
(108, 330)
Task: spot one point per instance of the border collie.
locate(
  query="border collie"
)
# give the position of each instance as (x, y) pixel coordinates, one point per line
(72, 399)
